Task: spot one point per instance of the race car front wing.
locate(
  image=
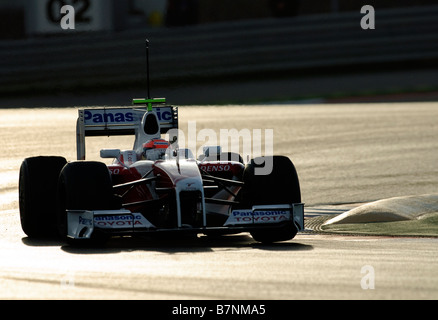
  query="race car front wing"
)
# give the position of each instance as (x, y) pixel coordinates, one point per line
(82, 223)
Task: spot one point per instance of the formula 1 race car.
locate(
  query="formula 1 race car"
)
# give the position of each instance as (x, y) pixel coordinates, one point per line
(155, 187)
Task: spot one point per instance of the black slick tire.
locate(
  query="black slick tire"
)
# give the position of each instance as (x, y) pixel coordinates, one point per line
(84, 185)
(280, 186)
(37, 187)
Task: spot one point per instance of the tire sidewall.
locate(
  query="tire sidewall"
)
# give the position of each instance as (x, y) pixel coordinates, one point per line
(280, 186)
(38, 178)
(83, 185)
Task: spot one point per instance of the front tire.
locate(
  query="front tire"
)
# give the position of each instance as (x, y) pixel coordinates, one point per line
(280, 186)
(84, 185)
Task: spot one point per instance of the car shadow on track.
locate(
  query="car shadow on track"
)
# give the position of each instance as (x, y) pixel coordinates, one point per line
(42, 242)
(171, 245)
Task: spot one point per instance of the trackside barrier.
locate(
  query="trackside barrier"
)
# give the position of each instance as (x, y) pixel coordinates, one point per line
(244, 48)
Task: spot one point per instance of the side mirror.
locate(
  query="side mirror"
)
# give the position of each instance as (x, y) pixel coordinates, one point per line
(110, 153)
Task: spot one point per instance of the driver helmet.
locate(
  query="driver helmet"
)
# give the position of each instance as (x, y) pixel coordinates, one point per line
(154, 149)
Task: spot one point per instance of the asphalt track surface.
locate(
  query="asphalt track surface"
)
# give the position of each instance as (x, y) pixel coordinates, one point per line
(345, 155)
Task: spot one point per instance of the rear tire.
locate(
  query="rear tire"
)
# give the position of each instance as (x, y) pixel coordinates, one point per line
(84, 185)
(37, 195)
(280, 186)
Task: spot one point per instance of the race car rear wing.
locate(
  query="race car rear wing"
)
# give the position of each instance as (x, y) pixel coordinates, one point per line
(118, 121)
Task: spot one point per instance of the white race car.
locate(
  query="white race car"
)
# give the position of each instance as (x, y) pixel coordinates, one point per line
(156, 187)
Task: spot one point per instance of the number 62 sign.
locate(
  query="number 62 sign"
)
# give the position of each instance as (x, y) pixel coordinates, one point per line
(45, 16)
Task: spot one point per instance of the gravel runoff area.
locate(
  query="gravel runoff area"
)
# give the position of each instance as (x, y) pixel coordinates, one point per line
(415, 216)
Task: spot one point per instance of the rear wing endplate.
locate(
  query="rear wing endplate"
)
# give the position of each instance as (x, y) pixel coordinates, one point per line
(118, 121)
